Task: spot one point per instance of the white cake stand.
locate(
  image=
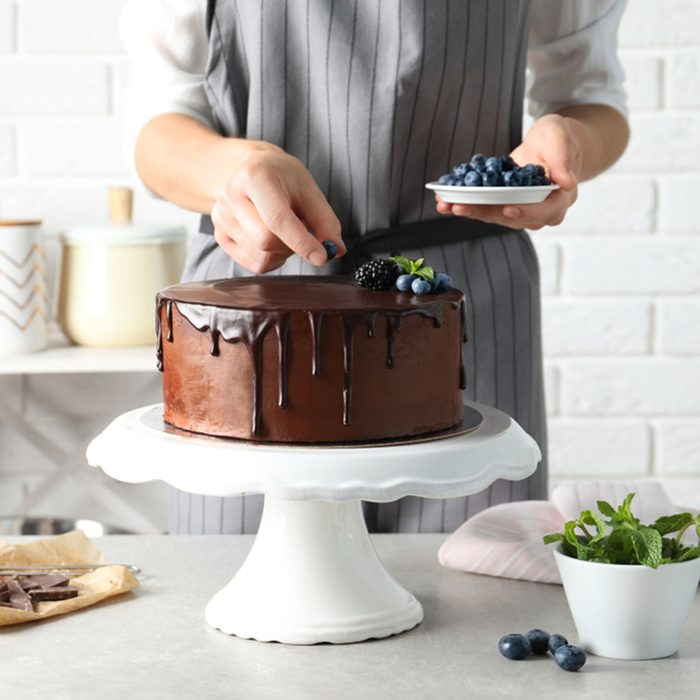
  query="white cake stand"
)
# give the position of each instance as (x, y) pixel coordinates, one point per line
(312, 574)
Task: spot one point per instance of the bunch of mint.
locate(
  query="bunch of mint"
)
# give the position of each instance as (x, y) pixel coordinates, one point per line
(415, 267)
(622, 539)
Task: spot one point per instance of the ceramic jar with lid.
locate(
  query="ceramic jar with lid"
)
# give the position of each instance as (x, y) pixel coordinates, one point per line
(111, 274)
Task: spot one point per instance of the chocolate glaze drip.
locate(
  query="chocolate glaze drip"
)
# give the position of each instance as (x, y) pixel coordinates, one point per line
(463, 322)
(215, 335)
(372, 326)
(249, 324)
(169, 320)
(315, 319)
(348, 345)
(282, 337)
(393, 326)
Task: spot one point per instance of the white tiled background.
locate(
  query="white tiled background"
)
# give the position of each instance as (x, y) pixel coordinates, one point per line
(621, 276)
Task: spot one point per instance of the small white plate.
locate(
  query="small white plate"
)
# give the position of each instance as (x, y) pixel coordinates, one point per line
(455, 194)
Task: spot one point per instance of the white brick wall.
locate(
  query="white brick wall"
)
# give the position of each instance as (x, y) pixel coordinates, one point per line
(620, 277)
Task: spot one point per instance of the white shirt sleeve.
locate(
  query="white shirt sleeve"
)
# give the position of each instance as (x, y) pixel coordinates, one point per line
(167, 45)
(572, 55)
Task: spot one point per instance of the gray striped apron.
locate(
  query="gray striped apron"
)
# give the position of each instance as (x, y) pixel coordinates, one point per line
(377, 98)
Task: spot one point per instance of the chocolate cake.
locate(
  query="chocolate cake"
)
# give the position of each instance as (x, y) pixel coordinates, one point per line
(309, 359)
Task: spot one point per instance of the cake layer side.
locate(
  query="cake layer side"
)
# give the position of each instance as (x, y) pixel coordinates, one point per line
(303, 376)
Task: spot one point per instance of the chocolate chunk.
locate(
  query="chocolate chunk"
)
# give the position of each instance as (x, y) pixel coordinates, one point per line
(20, 592)
(42, 581)
(55, 593)
(19, 599)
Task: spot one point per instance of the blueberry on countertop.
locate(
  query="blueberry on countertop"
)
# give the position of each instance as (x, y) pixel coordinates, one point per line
(404, 282)
(569, 657)
(331, 249)
(539, 639)
(556, 641)
(421, 286)
(515, 646)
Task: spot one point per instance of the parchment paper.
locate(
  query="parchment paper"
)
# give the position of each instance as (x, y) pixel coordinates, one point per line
(72, 548)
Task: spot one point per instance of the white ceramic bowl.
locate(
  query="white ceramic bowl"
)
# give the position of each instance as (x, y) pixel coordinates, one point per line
(454, 194)
(629, 611)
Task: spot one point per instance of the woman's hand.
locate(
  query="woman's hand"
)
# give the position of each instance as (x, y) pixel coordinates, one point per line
(552, 142)
(272, 208)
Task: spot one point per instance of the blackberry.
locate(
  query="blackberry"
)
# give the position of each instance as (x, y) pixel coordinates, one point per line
(377, 274)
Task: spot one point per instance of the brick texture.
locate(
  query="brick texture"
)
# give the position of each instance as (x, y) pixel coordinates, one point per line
(598, 447)
(7, 151)
(78, 147)
(45, 87)
(7, 27)
(70, 26)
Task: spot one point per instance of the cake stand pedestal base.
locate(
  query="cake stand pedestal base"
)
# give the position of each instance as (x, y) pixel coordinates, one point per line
(313, 576)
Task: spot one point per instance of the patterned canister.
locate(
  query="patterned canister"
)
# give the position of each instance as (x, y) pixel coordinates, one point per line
(24, 306)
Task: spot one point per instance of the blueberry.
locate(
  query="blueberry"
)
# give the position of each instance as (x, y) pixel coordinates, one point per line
(511, 178)
(473, 179)
(545, 180)
(525, 178)
(515, 646)
(478, 160)
(494, 163)
(403, 282)
(507, 163)
(331, 249)
(421, 286)
(442, 282)
(570, 658)
(556, 641)
(447, 179)
(539, 639)
(539, 171)
(459, 171)
(491, 178)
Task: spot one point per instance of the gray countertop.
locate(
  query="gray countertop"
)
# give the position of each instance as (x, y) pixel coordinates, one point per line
(154, 643)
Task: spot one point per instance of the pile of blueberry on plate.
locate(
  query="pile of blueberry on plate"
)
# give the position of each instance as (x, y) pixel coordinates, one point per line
(494, 180)
(538, 642)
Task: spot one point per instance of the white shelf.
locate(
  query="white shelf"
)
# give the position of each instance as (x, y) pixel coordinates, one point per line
(62, 358)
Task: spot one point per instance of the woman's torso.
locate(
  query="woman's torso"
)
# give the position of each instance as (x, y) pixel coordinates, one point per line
(375, 98)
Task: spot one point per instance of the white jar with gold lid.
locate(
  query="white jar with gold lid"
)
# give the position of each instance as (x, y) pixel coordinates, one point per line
(111, 274)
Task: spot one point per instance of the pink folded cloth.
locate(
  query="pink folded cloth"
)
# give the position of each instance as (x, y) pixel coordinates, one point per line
(506, 540)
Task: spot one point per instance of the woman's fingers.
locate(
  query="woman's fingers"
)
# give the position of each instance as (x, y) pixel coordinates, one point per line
(275, 209)
(230, 236)
(252, 229)
(314, 209)
(256, 261)
(551, 212)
